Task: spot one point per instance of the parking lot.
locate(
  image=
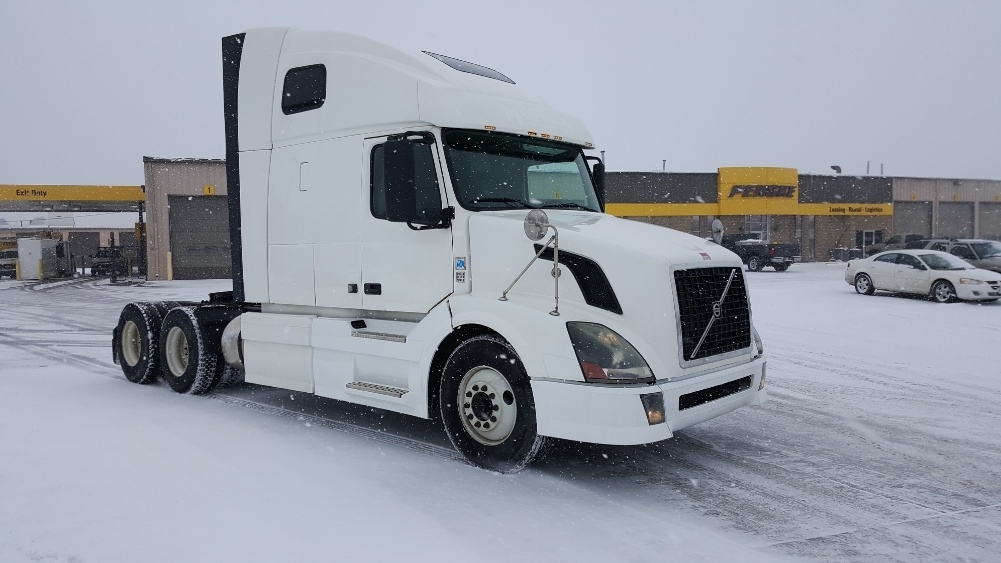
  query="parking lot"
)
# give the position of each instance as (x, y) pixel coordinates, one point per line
(881, 440)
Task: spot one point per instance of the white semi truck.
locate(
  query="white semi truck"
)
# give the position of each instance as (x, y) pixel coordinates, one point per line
(414, 232)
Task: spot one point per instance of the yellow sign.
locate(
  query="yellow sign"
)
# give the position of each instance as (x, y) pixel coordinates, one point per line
(71, 193)
(758, 190)
(208, 189)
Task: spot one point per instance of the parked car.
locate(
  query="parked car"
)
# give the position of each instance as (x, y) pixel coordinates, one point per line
(896, 242)
(8, 263)
(940, 275)
(757, 253)
(106, 260)
(981, 253)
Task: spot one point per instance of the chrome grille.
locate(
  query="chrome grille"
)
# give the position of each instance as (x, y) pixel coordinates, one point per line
(705, 333)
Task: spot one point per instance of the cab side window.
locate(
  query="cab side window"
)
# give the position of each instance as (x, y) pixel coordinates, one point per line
(907, 260)
(425, 181)
(888, 258)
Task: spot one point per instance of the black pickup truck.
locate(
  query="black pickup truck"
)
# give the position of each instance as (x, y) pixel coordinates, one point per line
(757, 253)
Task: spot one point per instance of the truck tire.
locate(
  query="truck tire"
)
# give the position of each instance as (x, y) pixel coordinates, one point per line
(754, 264)
(781, 267)
(139, 342)
(487, 406)
(187, 358)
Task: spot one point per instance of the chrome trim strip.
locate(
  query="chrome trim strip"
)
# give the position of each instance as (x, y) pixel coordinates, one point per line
(379, 389)
(379, 335)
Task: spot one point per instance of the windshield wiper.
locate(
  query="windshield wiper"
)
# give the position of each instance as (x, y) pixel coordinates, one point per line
(565, 205)
(514, 202)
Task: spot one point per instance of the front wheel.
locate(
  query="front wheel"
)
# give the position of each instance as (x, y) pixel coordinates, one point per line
(487, 406)
(863, 285)
(943, 292)
(754, 264)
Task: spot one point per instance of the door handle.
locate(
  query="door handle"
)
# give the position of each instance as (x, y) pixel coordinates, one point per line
(373, 289)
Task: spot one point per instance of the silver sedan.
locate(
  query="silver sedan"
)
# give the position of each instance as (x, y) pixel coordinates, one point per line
(939, 275)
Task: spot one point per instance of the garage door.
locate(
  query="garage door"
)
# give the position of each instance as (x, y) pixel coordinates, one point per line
(990, 220)
(912, 217)
(199, 237)
(955, 219)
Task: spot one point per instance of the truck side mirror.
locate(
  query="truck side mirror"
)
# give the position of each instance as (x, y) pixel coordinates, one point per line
(401, 184)
(598, 172)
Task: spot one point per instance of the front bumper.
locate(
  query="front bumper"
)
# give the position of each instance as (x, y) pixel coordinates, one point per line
(604, 414)
(977, 292)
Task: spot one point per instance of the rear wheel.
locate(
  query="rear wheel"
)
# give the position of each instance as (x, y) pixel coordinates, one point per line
(781, 267)
(863, 285)
(187, 357)
(754, 264)
(487, 406)
(138, 341)
(943, 292)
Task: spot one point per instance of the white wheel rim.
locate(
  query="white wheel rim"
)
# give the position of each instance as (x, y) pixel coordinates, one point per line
(943, 292)
(131, 343)
(486, 406)
(177, 351)
(862, 284)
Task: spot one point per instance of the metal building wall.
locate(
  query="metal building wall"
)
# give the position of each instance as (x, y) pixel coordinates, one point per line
(662, 187)
(956, 205)
(166, 177)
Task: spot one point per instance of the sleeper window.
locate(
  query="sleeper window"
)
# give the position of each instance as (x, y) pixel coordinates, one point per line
(305, 88)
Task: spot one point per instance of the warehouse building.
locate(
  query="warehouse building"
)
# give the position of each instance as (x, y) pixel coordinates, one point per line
(188, 221)
(824, 214)
(187, 218)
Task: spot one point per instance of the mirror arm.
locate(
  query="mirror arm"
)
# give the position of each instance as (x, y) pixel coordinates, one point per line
(552, 239)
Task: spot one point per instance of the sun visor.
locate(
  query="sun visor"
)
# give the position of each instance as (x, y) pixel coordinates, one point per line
(463, 109)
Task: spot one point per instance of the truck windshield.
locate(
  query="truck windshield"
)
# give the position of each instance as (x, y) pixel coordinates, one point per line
(501, 171)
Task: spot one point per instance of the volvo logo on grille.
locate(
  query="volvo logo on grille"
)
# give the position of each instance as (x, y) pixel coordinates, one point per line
(717, 311)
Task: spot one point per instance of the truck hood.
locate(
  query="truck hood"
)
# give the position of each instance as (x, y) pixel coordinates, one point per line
(636, 258)
(582, 231)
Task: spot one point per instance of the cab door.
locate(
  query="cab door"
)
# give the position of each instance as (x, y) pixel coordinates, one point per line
(404, 268)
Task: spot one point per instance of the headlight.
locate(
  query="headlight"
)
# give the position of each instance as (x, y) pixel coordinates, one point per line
(970, 281)
(758, 344)
(606, 357)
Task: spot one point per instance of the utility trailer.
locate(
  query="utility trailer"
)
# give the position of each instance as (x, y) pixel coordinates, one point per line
(414, 232)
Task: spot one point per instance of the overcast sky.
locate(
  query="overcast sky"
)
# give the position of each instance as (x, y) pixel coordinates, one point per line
(88, 88)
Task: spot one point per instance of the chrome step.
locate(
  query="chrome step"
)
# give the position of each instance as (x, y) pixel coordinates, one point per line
(380, 389)
(379, 335)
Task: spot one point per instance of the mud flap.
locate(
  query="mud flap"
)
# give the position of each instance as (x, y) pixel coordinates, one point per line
(116, 345)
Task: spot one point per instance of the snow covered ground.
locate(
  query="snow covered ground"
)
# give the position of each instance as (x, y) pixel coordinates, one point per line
(881, 442)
